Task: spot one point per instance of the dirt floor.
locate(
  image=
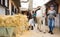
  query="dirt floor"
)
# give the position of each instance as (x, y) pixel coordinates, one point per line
(36, 33)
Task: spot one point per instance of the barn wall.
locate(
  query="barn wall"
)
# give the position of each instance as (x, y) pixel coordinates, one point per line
(2, 10)
(59, 9)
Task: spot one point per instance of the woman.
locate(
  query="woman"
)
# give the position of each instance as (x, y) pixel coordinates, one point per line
(31, 21)
(51, 19)
(34, 16)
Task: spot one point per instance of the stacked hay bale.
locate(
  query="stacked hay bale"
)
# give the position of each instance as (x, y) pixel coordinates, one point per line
(20, 22)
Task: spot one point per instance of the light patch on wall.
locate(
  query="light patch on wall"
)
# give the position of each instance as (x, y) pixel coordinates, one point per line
(39, 2)
(2, 10)
(24, 5)
(35, 3)
(23, 0)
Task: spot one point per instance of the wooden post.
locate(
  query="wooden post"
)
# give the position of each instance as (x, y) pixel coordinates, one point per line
(30, 6)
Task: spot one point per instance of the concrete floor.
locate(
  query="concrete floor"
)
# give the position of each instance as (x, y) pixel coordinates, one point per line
(36, 33)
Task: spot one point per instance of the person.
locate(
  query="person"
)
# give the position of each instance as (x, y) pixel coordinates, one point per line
(39, 18)
(31, 22)
(34, 16)
(51, 19)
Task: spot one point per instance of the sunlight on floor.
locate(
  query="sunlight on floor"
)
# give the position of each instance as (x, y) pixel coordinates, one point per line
(36, 33)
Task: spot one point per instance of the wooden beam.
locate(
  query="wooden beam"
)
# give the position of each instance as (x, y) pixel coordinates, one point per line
(58, 1)
(17, 3)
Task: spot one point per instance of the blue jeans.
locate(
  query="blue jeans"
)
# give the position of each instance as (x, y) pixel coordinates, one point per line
(51, 23)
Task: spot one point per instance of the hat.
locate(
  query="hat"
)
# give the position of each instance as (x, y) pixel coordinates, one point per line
(52, 6)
